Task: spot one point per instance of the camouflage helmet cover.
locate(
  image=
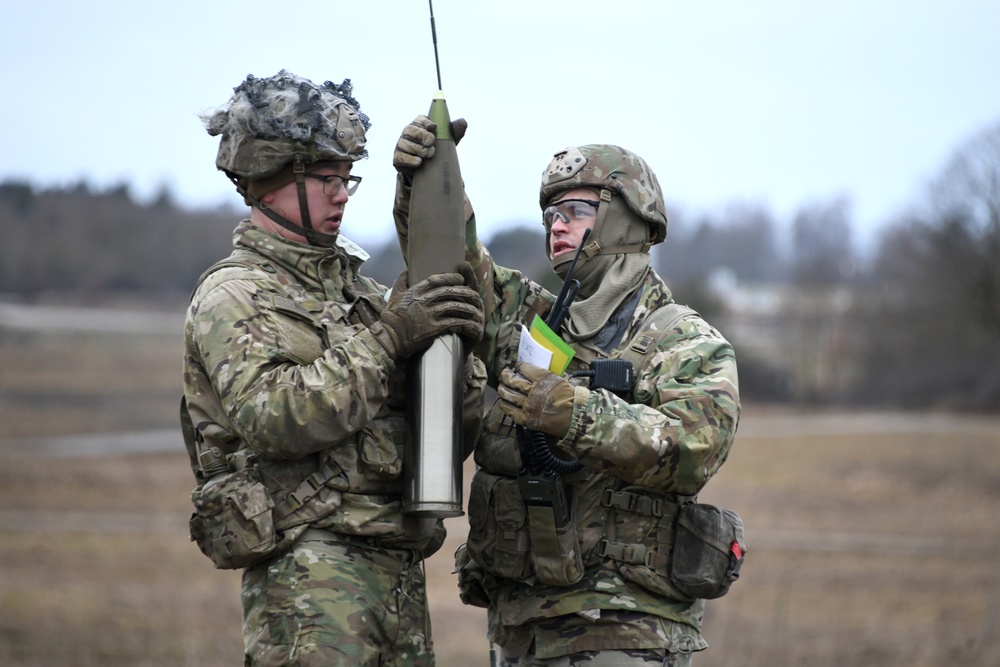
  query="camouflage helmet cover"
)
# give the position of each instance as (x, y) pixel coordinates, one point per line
(270, 122)
(613, 168)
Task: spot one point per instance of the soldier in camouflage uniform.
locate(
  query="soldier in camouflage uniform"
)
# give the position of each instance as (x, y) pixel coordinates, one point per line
(591, 589)
(293, 384)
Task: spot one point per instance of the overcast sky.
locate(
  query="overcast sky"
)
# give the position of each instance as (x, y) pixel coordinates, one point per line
(779, 103)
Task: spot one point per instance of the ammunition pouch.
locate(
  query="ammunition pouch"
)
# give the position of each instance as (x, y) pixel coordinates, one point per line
(499, 538)
(673, 546)
(236, 522)
(555, 548)
(522, 529)
(232, 522)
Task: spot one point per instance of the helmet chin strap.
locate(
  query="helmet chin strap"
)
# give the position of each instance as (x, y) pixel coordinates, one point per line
(315, 238)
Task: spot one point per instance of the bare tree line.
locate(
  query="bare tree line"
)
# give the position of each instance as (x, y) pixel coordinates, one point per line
(914, 321)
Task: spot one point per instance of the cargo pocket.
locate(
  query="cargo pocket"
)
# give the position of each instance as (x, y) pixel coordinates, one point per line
(380, 454)
(297, 333)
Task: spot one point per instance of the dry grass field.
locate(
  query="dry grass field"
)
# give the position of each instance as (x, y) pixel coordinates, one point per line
(873, 538)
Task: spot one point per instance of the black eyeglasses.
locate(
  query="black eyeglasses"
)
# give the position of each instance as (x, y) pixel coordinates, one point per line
(334, 183)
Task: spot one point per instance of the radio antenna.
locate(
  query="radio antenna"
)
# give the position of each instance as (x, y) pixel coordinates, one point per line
(434, 37)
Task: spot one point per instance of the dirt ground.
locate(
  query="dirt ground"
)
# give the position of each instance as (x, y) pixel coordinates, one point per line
(872, 536)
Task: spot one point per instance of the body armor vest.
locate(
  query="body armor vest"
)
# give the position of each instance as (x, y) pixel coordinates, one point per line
(512, 536)
(278, 499)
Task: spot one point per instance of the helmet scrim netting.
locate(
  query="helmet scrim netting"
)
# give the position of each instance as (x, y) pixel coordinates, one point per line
(273, 121)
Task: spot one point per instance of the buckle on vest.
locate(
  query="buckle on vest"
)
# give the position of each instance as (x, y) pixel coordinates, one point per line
(633, 554)
(306, 490)
(606, 549)
(302, 495)
(620, 500)
(632, 502)
(657, 508)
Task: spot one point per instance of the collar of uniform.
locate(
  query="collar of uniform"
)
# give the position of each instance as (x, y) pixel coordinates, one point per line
(314, 266)
(356, 255)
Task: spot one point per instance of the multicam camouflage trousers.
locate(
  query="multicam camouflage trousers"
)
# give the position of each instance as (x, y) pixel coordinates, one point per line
(637, 658)
(333, 600)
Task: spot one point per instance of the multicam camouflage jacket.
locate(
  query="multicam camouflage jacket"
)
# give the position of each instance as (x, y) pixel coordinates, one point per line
(279, 366)
(664, 440)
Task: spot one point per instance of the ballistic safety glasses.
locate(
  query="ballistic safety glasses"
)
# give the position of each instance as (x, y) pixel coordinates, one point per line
(570, 211)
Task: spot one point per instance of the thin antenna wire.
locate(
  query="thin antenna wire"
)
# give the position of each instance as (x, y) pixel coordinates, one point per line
(437, 63)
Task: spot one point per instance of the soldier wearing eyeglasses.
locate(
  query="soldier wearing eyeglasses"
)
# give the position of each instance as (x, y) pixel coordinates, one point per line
(293, 410)
(572, 563)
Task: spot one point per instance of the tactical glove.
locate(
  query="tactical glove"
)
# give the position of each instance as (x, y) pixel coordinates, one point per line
(439, 304)
(472, 579)
(537, 398)
(458, 128)
(416, 143)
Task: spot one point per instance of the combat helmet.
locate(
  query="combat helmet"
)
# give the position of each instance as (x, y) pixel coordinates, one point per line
(275, 129)
(613, 171)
